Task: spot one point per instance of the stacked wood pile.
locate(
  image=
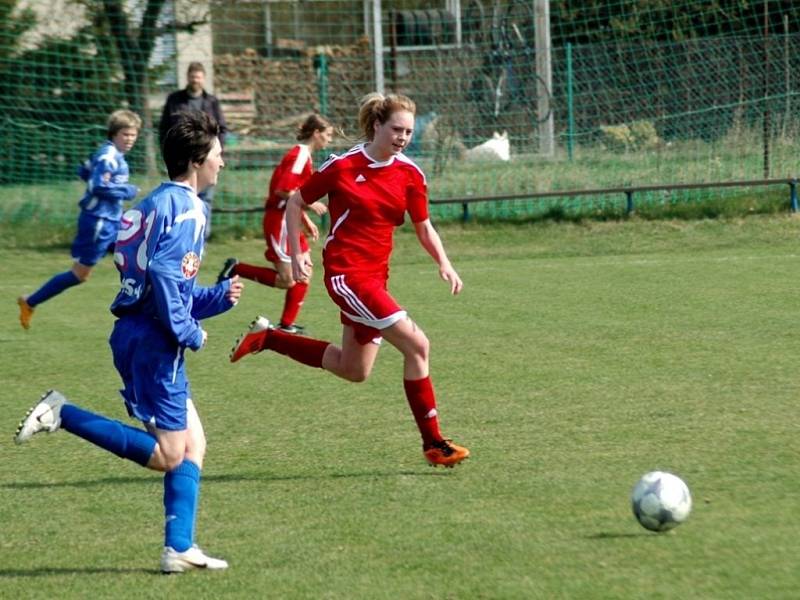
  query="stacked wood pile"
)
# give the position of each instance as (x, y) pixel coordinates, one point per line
(270, 96)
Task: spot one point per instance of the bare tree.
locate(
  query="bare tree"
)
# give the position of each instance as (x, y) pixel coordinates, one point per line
(134, 28)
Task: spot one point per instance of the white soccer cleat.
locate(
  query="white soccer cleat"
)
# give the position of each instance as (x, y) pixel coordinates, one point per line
(173, 561)
(45, 416)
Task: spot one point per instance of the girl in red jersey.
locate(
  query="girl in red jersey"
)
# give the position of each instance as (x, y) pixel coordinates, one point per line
(293, 171)
(369, 189)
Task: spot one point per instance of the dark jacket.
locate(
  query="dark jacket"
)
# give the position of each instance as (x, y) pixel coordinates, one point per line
(178, 101)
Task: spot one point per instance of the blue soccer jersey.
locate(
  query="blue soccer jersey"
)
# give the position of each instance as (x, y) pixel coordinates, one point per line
(106, 175)
(158, 252)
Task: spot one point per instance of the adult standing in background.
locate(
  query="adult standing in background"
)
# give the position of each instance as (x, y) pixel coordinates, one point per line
(194, 97)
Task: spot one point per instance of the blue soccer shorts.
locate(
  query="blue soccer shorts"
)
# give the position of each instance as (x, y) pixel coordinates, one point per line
(95, 237)
(153, 374)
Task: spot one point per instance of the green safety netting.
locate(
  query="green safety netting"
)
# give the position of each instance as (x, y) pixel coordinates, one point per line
(514, 98)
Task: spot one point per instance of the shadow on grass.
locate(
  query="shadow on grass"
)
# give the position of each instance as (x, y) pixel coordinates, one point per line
(223, 478)
(58, 571)
(609, 535)
(288, 477)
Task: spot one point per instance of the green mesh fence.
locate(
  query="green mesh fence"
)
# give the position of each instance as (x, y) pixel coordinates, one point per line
(514, 97)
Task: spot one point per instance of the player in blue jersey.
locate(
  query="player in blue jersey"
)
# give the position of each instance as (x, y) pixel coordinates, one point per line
(106, 175)
(158, 253)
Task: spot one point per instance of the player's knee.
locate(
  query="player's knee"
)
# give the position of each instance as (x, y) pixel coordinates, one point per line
(420, 348)
(283, 284)
(171, 463)
(356, 377)
(196, 452)
(82, 273)
(356, 373)
(172, 458)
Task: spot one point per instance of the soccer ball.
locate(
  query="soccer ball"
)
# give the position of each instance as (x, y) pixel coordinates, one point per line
(661, 501)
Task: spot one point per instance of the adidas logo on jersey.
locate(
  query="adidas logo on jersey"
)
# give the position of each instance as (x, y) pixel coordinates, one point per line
(360, 178)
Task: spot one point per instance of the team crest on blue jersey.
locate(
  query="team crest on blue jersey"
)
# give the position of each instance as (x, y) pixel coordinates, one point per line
(190, 265)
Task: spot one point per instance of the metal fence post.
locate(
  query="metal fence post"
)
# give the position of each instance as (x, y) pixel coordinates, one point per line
(629, 203)
(322, 82)
(465, 212)
(793, 195)
(570, 108)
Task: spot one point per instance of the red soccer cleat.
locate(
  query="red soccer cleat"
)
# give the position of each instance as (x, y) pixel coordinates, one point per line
(252, 340)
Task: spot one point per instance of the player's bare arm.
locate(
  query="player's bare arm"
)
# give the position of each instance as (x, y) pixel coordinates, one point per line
(311, 228)
(301, 261)
(432, 243)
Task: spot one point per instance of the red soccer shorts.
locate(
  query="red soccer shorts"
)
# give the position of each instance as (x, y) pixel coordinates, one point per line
(277, 237)
(365, 305)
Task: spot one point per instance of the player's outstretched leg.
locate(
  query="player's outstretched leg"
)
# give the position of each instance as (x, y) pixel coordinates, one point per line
(251, 341)
(44, 416)
(227, 270)
(53, 287)
(445, 453)
(262, 336)
(173, 561)
(25, 312)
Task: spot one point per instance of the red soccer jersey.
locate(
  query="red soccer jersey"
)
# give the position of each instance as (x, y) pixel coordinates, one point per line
(293, 171)
(366, 200)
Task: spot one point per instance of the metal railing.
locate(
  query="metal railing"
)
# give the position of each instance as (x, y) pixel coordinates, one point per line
(628, 191)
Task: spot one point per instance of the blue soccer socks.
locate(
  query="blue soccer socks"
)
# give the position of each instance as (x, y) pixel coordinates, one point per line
(181, 485)
(56, 285)
(181, 491)
(123, 440)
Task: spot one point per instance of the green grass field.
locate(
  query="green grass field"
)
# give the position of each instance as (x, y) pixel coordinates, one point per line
(578, 357)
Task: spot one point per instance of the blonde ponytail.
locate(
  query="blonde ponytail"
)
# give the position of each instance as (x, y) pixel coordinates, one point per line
(377, 108)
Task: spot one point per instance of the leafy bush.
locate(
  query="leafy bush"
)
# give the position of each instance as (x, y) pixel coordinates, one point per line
(639, 135)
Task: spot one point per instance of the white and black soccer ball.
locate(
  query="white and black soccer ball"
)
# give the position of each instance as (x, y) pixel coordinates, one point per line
(661, 501)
